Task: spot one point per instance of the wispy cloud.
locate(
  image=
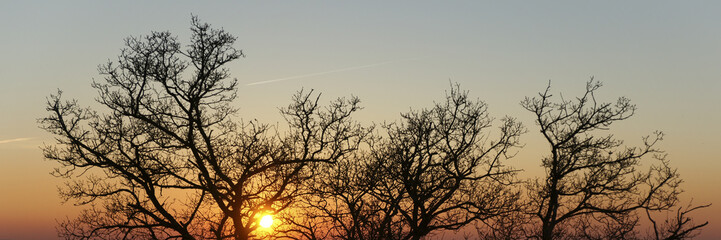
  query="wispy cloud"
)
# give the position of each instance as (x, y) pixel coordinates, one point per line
(14, 140)
(329, 72)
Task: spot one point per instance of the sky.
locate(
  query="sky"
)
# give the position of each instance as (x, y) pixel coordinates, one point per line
(396, 56)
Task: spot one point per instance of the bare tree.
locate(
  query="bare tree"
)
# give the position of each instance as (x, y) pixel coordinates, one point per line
(506, 226)
(594, 185)
(438, 169)
(678, 226)
(165, 159)
(338, 205)
(442, 168)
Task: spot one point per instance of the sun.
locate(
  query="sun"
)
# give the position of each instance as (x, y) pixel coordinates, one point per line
(266, 221)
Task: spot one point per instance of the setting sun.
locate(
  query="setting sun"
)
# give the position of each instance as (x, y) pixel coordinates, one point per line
(266, 221)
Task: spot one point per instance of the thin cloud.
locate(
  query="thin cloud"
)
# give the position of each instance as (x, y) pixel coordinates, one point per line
(14, 140)
(328, 72)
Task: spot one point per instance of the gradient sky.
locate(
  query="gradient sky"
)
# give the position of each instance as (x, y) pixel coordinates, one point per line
(664, 55)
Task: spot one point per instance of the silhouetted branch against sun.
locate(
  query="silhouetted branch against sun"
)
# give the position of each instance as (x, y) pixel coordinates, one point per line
(165, 158)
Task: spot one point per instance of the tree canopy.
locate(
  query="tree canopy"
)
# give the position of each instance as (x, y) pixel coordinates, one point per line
(165, 157)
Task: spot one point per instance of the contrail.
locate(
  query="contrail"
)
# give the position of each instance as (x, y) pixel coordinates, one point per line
(329, 72)
(14, 140)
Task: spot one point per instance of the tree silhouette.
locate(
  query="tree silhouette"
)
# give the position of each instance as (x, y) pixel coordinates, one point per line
(594, 185)
(678, 226)
(338, 205)
(164, 159)
(437, 169)
(448, 167)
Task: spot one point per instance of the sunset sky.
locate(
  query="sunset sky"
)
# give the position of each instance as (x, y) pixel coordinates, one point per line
(395, 55)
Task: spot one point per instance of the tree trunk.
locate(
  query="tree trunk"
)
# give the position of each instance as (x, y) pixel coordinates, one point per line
(547, 231)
